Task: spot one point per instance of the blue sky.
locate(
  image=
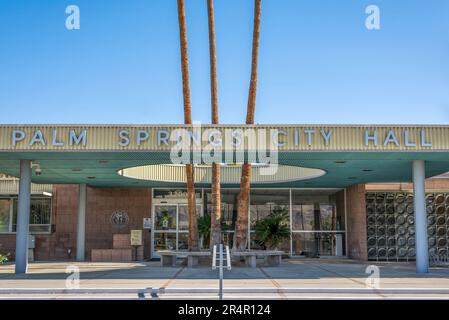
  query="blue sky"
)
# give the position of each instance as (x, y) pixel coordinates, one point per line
(318, 63)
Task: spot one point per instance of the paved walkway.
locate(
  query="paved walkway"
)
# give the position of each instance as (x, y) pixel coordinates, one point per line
(294, 279)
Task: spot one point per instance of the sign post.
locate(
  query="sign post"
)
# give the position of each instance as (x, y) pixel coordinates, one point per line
(136, 241)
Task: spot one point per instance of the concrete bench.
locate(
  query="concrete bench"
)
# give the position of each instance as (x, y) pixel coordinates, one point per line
(169, 257)
(272, 257)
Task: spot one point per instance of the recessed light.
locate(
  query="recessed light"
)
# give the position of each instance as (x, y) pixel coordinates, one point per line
(103, 161)
(340, 161)
(367, 170)
(91, 177)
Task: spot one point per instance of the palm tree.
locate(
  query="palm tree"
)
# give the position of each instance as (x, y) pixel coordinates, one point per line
(193, 241)
(215, 237)
(241, 226)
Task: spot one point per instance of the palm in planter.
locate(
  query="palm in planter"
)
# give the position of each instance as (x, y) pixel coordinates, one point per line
(273, 229)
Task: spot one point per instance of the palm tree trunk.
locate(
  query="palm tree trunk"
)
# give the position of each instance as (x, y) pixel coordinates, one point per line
(215, 237)
(193, 241)
(241, 229)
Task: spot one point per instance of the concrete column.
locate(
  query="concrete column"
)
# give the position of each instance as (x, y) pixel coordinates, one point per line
(23, 217)
(81, 225)
(421, 241)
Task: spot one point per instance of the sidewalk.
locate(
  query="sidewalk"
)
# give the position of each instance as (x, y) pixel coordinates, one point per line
(294, 279)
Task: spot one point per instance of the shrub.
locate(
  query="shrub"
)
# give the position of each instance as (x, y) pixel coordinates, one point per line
(273, 229)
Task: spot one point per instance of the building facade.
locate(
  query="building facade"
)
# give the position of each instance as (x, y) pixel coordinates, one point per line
(88, 192)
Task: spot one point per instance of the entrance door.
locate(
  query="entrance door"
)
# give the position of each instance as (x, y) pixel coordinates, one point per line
(170, 226)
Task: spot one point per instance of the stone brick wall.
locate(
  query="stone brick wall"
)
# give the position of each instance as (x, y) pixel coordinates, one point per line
(63, 236)
(102, 203)
(356, 222)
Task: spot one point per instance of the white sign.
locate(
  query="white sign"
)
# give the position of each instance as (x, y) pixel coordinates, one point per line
(147, 223)
(136, 237)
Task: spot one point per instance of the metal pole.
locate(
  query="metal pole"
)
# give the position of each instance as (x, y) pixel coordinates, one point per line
(81, 226)
(220, 290)
(23, 217)
(422, 253)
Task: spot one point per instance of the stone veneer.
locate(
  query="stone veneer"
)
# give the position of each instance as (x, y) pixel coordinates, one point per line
(356, 222)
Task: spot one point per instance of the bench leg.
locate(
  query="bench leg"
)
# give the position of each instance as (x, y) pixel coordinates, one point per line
(251, 261)
(168, 261)
(192, 261)
(274, 260)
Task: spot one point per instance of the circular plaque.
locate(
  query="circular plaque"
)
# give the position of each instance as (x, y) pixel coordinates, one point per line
(119, 219)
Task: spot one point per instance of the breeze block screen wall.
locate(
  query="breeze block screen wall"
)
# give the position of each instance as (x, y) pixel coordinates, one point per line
(391, 225)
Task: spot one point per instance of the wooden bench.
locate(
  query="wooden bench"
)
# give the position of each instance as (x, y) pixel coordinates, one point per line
(272, 257)
(169, 257)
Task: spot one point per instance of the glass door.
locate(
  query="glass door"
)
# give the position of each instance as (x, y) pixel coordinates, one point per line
(171, 227)
(165, 227)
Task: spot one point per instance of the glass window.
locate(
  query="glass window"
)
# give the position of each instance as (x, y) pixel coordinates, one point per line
(316, 244)
(5, 212)
(264, 201)
(315, 210)
(183, 241)
(165, 241)
(165, 217)
(303, 217)
(40, 215)
(183, 216)
(303, 244)
(328, 218)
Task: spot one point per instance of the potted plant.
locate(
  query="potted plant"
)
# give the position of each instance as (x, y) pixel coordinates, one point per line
(4, 258)
(273, 229)
(164, 221)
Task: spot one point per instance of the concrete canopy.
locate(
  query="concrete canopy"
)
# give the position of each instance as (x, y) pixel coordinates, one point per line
(342, 168)
(94, 154)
